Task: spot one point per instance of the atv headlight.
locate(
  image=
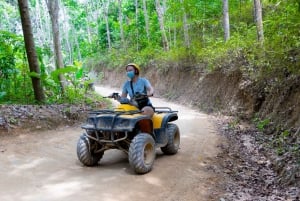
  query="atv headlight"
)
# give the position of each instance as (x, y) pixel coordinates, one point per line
(122, 123)
(90, 132)
(90, 121)
(103, 124)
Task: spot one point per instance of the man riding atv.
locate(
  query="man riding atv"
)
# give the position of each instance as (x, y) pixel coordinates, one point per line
(135, 86)
(132, 127)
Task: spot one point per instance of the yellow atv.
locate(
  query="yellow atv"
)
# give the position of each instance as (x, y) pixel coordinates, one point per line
(126, 129)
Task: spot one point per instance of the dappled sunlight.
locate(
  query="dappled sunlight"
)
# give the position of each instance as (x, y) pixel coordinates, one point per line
(189, 117)
(56, 191)
(112, 197)
(153, 181)
(184, 136)
(109, 179)
(123, 195)
(23, 166)
(56, 175)
(62, 189)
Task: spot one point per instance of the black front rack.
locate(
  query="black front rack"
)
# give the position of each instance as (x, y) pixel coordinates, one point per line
(164, 110)
(98, 112)
(158, 110)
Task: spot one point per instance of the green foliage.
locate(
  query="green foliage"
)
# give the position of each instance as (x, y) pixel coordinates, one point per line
(206, 35)
(15, 84)
(261, 124)
(77, 80)
(284, 142)
(14, 75)
(233, 124)
(2, 94)
(8, 15)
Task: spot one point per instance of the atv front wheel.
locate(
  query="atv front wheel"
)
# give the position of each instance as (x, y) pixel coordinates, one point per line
(141, 153)
(173, 140)
(85, 151)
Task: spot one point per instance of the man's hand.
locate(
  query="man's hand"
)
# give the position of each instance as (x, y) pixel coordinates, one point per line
(139, 95)
(149, 94)
(115, 96)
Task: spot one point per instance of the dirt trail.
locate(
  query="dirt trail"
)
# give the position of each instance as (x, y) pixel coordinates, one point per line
(43, 166)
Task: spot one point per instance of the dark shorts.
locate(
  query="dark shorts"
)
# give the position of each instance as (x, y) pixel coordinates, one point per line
(143, 102)
(150, 105)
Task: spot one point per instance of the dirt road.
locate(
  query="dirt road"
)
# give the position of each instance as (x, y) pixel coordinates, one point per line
(43, 166)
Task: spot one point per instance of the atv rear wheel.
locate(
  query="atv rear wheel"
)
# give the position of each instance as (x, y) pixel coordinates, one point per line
(173, 140)
(141, 153)
(85, 151)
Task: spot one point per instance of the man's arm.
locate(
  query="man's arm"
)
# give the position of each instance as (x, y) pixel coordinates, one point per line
(124, 91)
(150, 90)
(123, 95)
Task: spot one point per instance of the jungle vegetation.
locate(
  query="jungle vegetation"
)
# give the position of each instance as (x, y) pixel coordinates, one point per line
(70, 39)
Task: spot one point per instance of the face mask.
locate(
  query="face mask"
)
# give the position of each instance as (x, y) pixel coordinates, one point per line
(130, 74)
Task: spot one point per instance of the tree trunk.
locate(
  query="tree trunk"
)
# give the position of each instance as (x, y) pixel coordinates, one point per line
(69, 48)
(203, 32)
(121, 24)
(106, 8)
(31, 51)
(65, 35)
(89, 34)
(137, 24)
(53, 9)
(160, 14)
(146, 19)
(226, 20)
(185, 26)
(258, 21)
(39, 22)
(174, 34)
(79, 57)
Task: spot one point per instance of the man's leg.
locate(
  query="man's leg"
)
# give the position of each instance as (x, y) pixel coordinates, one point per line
(147, 110)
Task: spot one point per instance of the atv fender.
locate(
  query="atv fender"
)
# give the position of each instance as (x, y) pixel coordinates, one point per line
(161, 133)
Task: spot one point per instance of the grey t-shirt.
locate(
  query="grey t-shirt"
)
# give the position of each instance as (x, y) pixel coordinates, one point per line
(139, 86)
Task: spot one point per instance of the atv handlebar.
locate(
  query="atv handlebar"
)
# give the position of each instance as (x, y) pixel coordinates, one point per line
(114, 95)
(136, 96)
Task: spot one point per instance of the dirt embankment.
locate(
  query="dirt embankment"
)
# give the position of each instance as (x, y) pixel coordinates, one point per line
(230, 91)
(28, 118)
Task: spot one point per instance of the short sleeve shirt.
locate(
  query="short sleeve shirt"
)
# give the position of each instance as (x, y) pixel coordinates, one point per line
(140, 86)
